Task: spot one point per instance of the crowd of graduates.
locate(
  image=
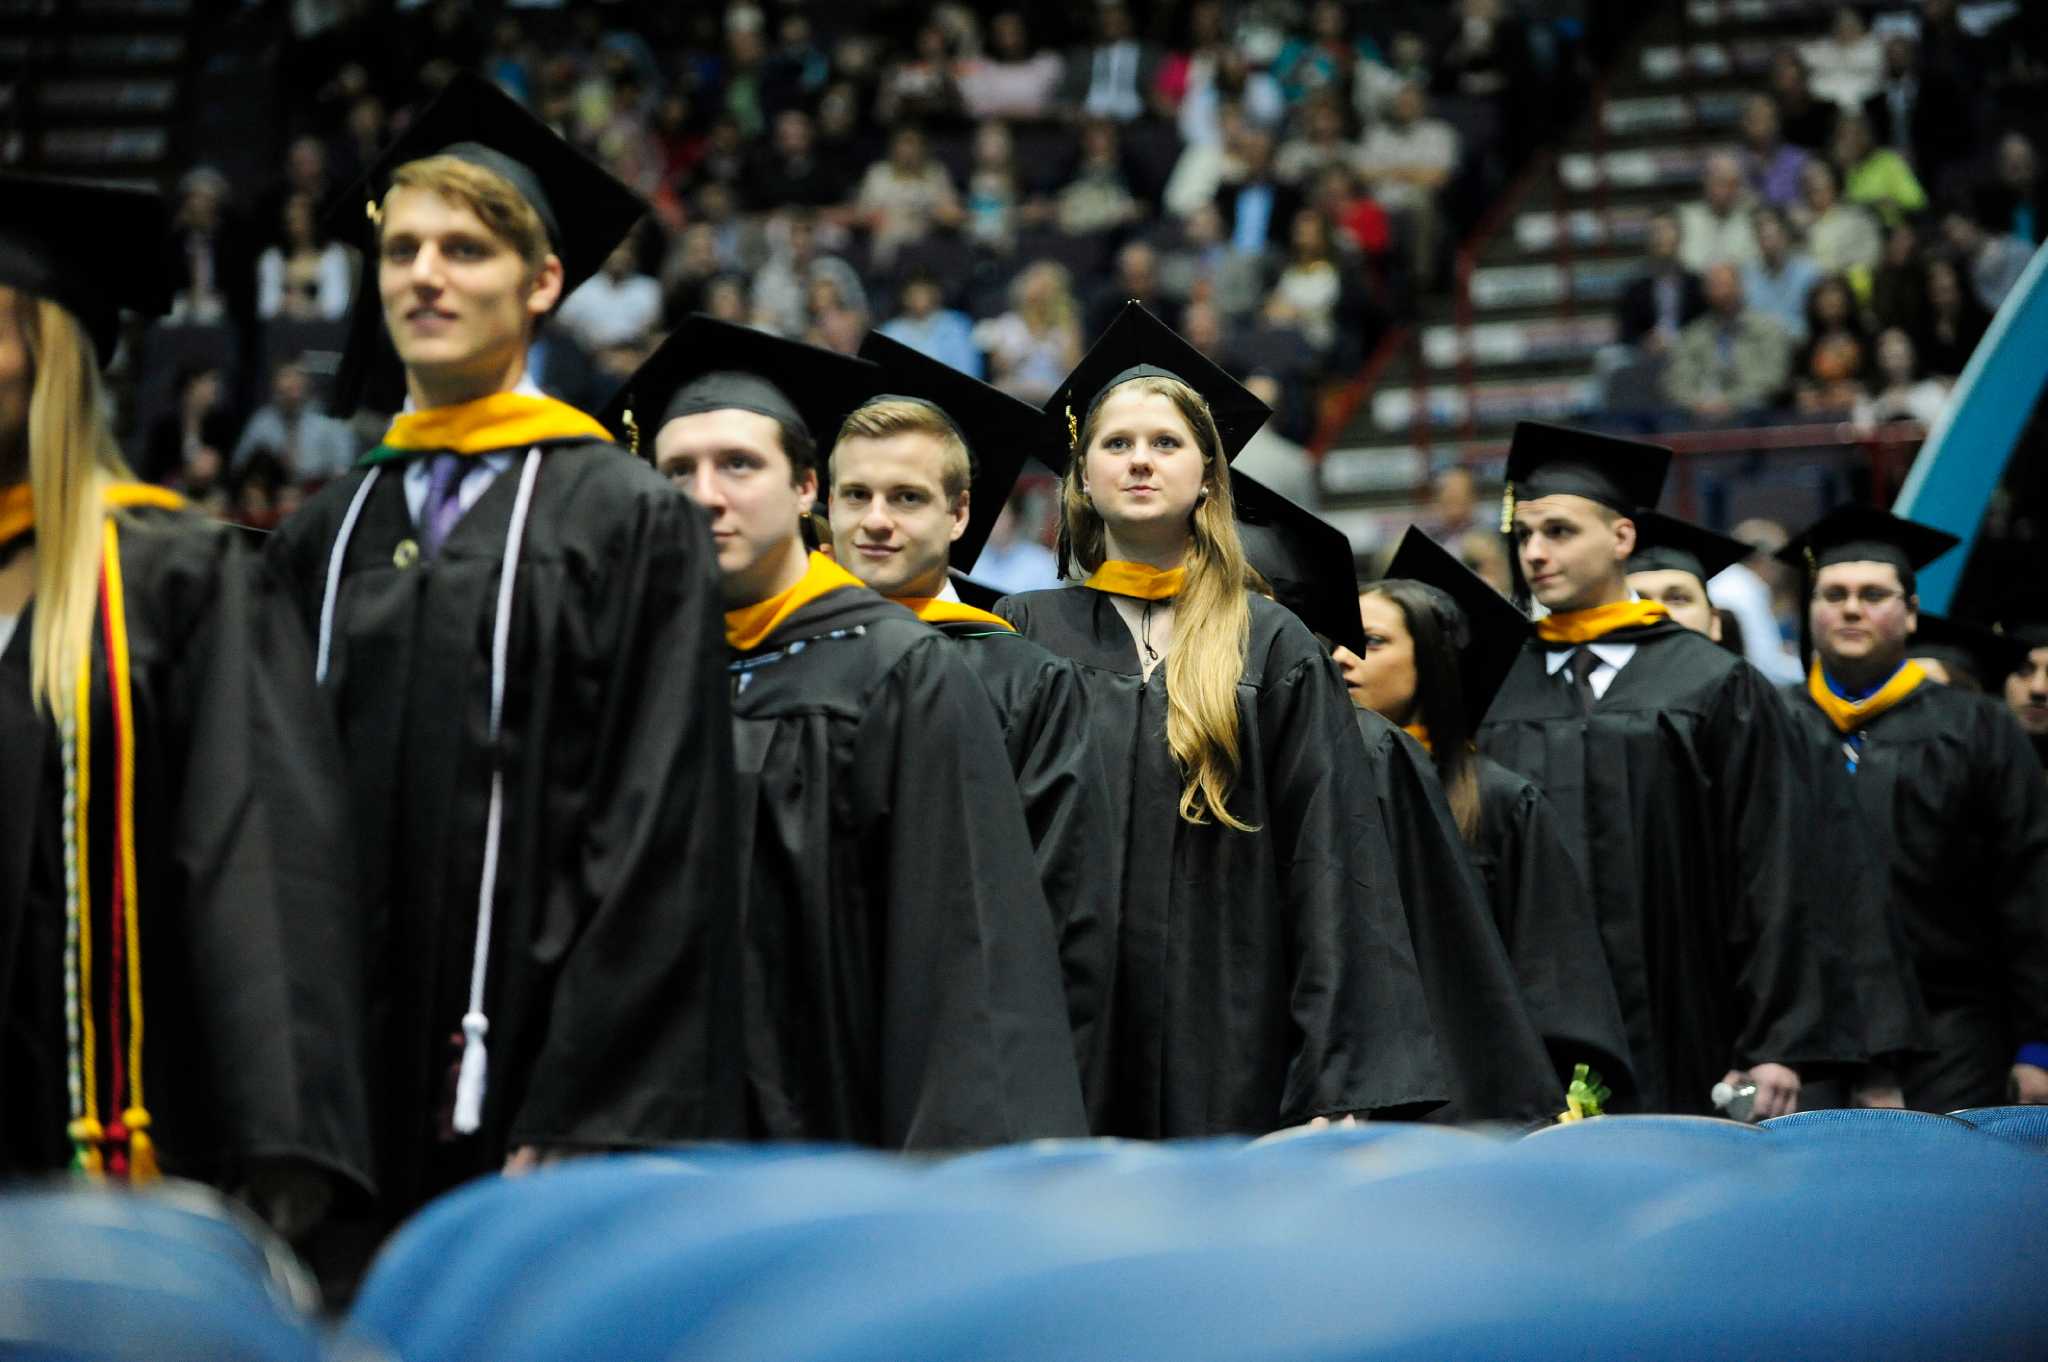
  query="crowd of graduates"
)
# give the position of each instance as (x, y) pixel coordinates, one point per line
(559, 782)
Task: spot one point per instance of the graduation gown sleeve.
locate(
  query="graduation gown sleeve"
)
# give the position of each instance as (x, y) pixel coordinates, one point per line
(642, 918)
(1498, 1067)
(1545, 916)
(974, 1041)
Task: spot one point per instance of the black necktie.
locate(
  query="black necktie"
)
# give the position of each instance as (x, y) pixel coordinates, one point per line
(1583, 664)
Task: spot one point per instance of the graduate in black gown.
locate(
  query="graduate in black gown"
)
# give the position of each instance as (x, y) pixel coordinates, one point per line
(517, 625)
(1679, 780)
(1265, 973)
(2026, 688)
(1493, 1052)
(902, 977)
(918, 477)
(1438, 642)
(180, 959)
(1953, 802)
(1672, 564)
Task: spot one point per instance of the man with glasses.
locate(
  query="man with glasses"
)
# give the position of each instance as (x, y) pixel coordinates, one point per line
(1948, 787)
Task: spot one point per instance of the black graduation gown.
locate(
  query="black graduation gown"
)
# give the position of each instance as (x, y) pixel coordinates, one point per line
(1545, 917)
(252, 954)
(1684, 799)
(611, 987)
(1263, 977)
(902, 977)
(1040, 707)
(1948, 788)
(1494, 1055)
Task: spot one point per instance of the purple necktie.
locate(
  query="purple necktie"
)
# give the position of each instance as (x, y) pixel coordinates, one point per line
(443, 505)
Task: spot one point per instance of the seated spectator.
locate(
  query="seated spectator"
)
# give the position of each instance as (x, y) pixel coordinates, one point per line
(309, 445)
(1917, 111)
(1733, 362)
(1778, 281)
(1484, 52)
(1666, 298)
(1013, 560)
(1032, 347)
(188, 445)
(1113, 77)
(1204, 327)
(264, 493)
(1804, 121)
(1454, 507)
(1716, 228)
(1829, 385)
(1876, 177)
(1831, 316)
(1276, 461)
(1898, 291)
(921, 87)
(1257, 209)
(302, 277)
(1847, 65)
(1323, 143)
(305, 174)
(2015, 203)
(691, 265)
(995, 203)
(1098, 198)
(1485, 553)
(1136, 278)
(1993, 261)
(1405, 163)
(1771, 165)
(725, 297)
(1012, 79)
(1361, 223)
(1273, 341)
(1323, 64)
(905, 196)
(1310, 281)
(797, 70)
(1203, 266)
(929, 327)
(1225, 78)
(792, 173)
(1955, 320)
(1205, 165)
(1841, 237)
(1903, 393)
(212, 277)
(616, 306)
(565, 371)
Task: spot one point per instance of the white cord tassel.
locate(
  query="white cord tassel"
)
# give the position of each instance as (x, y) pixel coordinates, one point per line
(470, 1081)
(334, 560)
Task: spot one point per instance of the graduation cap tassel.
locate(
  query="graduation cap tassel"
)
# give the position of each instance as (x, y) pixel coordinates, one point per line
(632, 432)
(471, 1078)
(1507, 508)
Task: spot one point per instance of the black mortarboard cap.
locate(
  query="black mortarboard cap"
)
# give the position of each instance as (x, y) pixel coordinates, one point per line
(710, 365)
(1305, 559)
(1985, 653)
(1001, 432)
(1863, 534)
(587, 213)
(1495, 629)
(1546, 461)
(1664, 542)
(1138, 345)
(92, 248)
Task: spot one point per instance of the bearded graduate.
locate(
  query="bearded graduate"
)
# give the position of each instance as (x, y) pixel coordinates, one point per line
(1953, 803)
(902, 983)
(518, 627)
(1438, 642)
(180, 961)
(1265, 974)
(919, 475)
(1493, 1056)
(1680, 784)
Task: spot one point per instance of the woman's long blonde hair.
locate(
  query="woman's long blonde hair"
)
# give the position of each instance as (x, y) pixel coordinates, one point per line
(72, 456)
(1212, 617)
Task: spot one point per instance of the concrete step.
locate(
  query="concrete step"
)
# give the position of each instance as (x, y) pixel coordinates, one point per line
(1374, 472)
(1497, 345)
(1495, 403)
(1627, 226)
(1715, 112)
(1665, 167)
(96, 53)
(89, 99)
(91, 148)
(1587, 282)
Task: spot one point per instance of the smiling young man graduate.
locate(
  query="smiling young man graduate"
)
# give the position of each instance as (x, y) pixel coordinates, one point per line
(1951, 798)
(902, 982)
(518, 626)
(1679, 780)
(919, 475)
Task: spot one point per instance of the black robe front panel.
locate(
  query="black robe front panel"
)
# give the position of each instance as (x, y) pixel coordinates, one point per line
(1545, 916)
(1684, 797)
(1043, 713)
(614, 958)
(1263, 977)
(252, 950)
(903, 979)
(1950, 796)
(1498, 1067)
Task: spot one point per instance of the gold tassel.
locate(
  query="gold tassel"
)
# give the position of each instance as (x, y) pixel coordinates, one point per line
(374, 212)
(1507, 508)
(1073, 428)
(141, 1149)
(632, 432)
(85, 1139)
